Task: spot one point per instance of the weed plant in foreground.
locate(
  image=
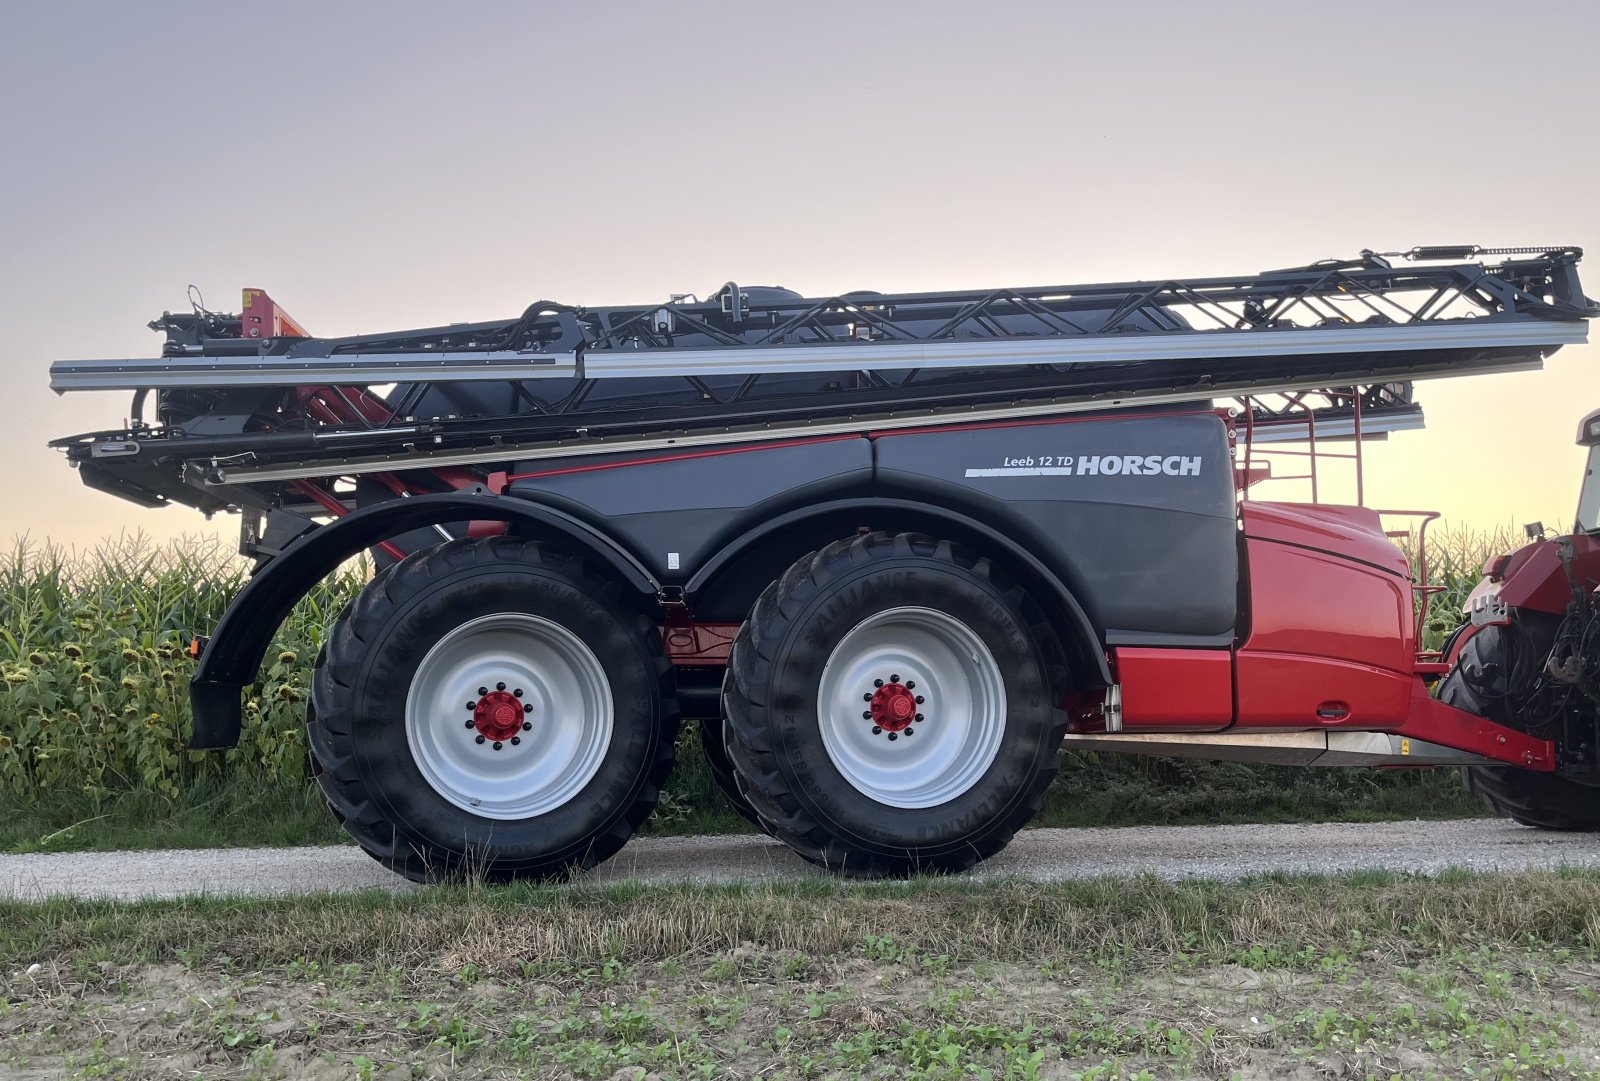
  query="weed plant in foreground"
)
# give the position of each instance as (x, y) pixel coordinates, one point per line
(1353, 976)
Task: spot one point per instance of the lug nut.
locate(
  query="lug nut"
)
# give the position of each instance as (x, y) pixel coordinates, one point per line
(527, 725)
(918, 717)
(517, 692)
(877, 683)
(472, 724)
(866, 698)
(877, 731)
(480, 739)
(895, 678)
(891, 736)
(919, 697)
(499, 686)
(866, 715)
(482, 691)
(515, 740)
(911, 685)
(527, 708)
(911, 731)
(472, 705)
(497, 745)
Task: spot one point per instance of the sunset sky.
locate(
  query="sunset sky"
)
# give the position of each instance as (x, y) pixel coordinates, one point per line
(382, 166)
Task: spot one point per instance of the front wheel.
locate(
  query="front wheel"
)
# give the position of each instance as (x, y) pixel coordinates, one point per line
(488, 708)
(895, 706)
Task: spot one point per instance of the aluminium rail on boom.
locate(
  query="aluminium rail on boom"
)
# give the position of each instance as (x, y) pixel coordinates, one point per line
(755, 363)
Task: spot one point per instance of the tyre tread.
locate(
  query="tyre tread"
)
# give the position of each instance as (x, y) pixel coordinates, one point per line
(754, 757)
(329, 724)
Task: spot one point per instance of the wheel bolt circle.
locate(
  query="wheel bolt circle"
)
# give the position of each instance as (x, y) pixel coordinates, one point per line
(890, 706)
(498, 715)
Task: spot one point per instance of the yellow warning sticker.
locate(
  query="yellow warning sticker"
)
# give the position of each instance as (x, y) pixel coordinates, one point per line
(1405, 746)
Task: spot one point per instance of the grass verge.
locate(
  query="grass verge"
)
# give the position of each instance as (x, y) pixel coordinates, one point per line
(1372, 975)
(244, 808)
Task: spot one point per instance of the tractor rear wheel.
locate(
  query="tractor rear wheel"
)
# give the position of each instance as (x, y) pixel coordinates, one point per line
(1478, 684)
(489, 708)
(895, 706)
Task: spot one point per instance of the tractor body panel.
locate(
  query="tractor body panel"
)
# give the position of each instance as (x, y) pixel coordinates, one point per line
(1532, 577)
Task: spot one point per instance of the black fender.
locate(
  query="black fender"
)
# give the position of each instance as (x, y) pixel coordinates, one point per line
(234, 653)
(1047, 588)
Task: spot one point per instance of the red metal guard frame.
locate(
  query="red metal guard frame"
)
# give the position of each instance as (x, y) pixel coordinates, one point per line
(1429, 662)
(1312, 454)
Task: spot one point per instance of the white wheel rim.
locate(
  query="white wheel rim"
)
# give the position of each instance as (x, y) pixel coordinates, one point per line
(963, 707)
(534, 770)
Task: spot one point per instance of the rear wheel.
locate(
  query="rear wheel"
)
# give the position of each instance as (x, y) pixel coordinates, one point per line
(1492, 661)
(1535, 799)
(713, 743)
(893, 706)
(487, 707)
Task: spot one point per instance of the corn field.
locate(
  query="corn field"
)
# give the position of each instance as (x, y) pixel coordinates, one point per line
(94, 668)
(1455, 564)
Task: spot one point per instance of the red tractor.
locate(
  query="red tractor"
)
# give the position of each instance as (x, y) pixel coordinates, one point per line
(1529, 658)
(889, 550)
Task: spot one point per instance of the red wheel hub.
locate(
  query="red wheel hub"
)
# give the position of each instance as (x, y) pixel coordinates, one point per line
(498, 715)
(893, 707)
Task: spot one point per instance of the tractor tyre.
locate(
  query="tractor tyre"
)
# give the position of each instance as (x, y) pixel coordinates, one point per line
(716, 752)
(1477, 684)
(489, 708)
(894, 706)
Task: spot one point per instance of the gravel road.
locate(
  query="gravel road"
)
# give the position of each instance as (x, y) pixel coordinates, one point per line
(1042, 855)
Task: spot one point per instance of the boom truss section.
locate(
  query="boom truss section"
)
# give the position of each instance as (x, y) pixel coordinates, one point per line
(249, 400)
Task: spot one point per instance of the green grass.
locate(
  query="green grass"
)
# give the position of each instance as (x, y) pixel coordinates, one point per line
(243, 809)
(1369, 975)
(1272, 919)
